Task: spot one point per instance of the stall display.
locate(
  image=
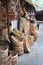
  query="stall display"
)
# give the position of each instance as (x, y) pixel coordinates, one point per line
(12, 10)
(21, 39)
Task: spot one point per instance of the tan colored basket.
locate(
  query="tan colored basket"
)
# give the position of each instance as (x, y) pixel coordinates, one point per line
(20, 52)
(19, 48)
(17, 31)
(34, 31)
(28, 42)
(17, 35)
(27, 45)
(6, 60)
(35, 35)
(4, 31)
(14, 54)
(3, 51)
(14, 63)
(18, 45)
(14, 58)
(16, 42)
(31, 38)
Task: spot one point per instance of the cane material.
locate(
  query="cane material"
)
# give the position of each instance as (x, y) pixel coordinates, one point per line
(31, 38)
(17, 35)
(3, 51)
(28, 42)
(14, 58)
(17, 45)
(34, 31)
(6, 60)
(16, 42)
(27, 45)
(18, 48)
(17, 31)
(21, 52)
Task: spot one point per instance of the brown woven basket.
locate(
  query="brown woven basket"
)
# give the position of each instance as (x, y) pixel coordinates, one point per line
(17, 45)
(4, 31)
(3, 51)
(34, 31)
(31, 38)
(18, 48)
(14, 58)
(6, 60)
(16, 42)
(20, 52)
(17, 35)
(17, 31)
(27, 45)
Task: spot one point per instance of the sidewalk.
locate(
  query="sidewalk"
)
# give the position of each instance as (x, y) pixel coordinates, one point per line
(35, 57)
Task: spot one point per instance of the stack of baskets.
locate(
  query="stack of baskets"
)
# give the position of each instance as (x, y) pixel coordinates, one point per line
(21, 43)
(3, 30)
(8, 57)
(14, 58)
(3, 51)
(4, 55)
(17, 45)
(28, 42)
(6, 60)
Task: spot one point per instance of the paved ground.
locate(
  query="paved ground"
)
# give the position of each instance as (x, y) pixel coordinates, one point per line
(35, 57)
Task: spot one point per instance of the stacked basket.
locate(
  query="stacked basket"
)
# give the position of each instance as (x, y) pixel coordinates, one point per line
(28, 42)
(8, 57)
(4, 55)
(14, 58)
(6, 60)
(17, 45)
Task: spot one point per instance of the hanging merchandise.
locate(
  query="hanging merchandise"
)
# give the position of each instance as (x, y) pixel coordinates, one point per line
(12, 12)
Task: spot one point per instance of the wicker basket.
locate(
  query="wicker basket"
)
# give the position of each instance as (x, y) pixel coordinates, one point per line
(28, 42)
(14, 58)
(17, 45)
(17, 31)
(31, 38)
(18, 48)
(16, 42)
(17, 35)
(3, 51)
(6, 60)
(27, 45)
(20, 52)
(34, 31)
(4, 31)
